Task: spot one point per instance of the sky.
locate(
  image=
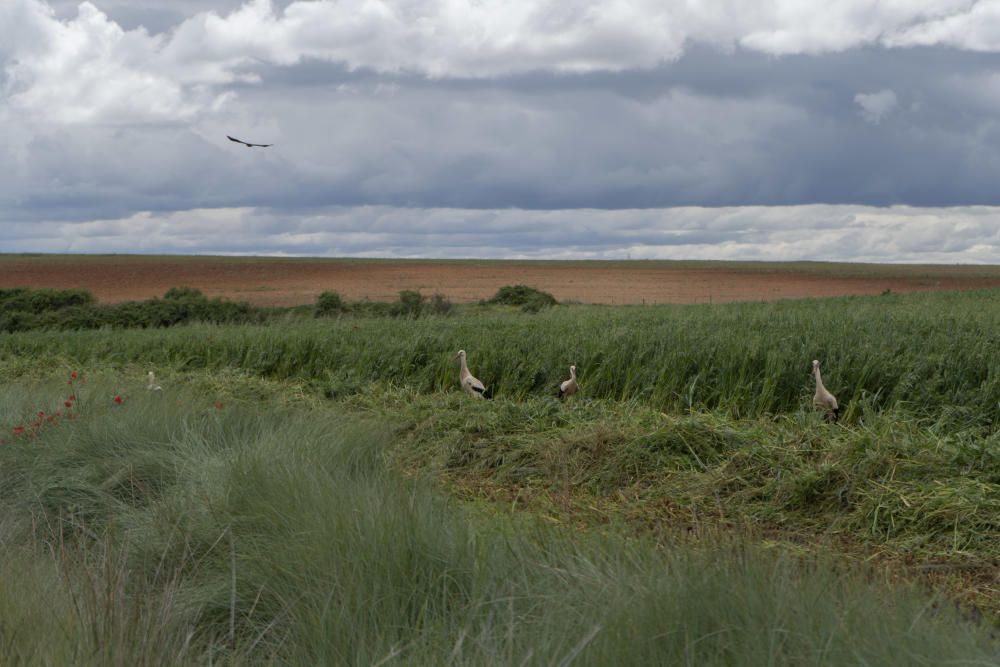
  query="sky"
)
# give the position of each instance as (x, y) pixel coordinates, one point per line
(860, 130)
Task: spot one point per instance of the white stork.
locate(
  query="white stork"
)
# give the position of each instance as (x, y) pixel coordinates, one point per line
(470, 385)
(151, 382)
(823, 399)
(568, 387)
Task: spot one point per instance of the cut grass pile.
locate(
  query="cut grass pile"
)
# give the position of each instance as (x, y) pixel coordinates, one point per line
(918, 497)
(186, 526)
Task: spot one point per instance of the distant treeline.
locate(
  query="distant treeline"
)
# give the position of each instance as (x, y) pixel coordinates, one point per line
(23, 309)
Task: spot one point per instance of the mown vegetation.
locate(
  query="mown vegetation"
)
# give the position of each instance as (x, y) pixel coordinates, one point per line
(175, 527)
(699, 503)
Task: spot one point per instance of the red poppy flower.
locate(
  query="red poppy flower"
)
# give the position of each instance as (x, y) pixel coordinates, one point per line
(37, 424)
(58, 413)
(68, 404)
(72, 397)
(118, 400)
(72, 375)
(18, 429)
(41, 414)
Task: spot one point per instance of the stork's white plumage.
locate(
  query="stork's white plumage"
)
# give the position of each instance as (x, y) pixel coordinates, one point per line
(823, 399)
(470, 384)
(151, 382)
(568, 387)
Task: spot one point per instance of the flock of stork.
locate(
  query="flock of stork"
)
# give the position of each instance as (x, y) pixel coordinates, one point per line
(822, 399)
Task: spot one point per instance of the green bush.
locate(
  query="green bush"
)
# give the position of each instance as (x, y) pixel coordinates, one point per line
(36, 301)
(183, 293)
(72, 318)
(410, 304)
(65, 310)
(329, 303)
(440, 305)
(535, 303)
(368, 308)
(17, 321)
(522, 295)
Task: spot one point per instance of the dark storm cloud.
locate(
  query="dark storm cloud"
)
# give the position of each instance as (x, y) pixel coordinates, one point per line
(112, 132)
(712, 129)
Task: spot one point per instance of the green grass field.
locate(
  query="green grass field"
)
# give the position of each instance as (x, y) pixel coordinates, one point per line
(320, 492)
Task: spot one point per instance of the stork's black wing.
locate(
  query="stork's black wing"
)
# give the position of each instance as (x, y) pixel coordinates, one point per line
(247, 143)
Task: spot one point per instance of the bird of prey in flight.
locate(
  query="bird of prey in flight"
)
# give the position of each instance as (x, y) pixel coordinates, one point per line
(247, 144)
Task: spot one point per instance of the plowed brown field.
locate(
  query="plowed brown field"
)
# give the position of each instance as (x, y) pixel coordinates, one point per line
(278, 281)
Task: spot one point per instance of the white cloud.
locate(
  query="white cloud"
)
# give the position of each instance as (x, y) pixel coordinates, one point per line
(876, 106)
(815, 232)
(975, 27)
(88, 69)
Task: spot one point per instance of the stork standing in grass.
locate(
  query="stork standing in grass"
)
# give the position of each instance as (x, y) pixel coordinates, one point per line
(823, 399)
(151, 382)
(569, 387)
(470, 384)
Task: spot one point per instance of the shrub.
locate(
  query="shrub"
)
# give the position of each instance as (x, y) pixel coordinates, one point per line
(36, 301)
(329, 303)
(177, 293)
(440, 305)
(368, 308)
(535, 304)
(17, 321)
(72, 318)
(522, 295)
(184, 305)
(410, 304)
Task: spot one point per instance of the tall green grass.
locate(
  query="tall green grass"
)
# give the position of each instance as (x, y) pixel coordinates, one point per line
(933, 355)
(168, 530)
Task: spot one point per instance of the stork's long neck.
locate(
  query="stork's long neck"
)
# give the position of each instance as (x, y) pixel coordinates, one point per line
(572, 373)
(819, 379)
(465, 368)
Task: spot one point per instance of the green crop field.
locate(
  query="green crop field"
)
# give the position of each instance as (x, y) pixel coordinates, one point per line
(319, 491)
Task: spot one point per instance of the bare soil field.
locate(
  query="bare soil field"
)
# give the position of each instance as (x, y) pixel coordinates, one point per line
(283, 282)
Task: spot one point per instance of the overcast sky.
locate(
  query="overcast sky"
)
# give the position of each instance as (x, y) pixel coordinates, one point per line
(776, 129)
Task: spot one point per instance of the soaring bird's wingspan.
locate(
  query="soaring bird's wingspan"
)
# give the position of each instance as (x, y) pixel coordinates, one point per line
(247, 143)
